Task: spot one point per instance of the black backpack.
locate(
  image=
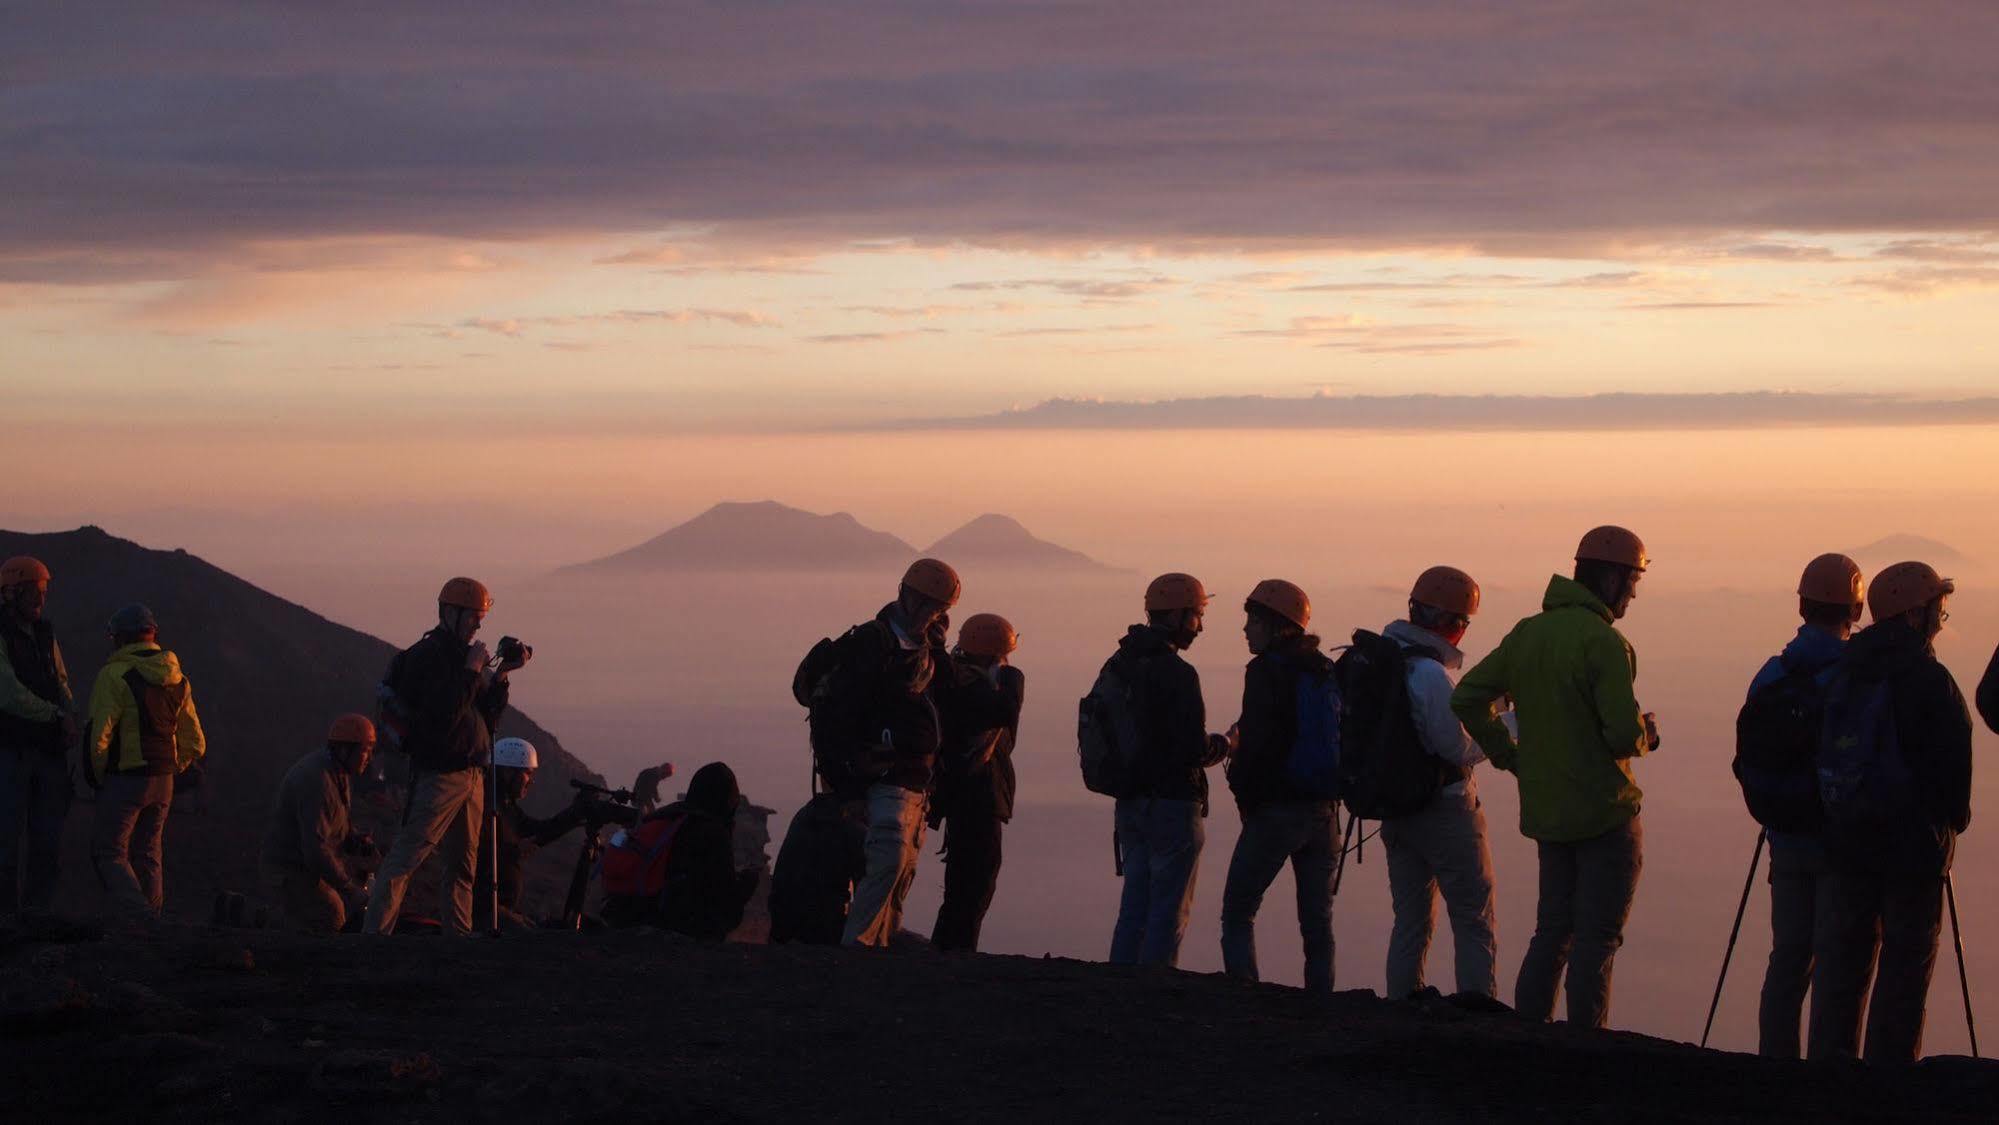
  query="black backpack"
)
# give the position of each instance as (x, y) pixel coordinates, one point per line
(812, 883)
(1109, 742)
(1776, 751)
(840, 703)
(1384, 770)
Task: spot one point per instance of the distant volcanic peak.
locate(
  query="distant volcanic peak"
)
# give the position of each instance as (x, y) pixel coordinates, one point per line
(1905, 546)
(760, 535)
(995, 539)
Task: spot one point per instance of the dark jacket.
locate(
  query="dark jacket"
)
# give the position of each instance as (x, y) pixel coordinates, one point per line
(310, 830)
(451, 718)
(34, 687)
(518, 835)
(705, 894)
(890, 686)
(1172, 718)
(981, 721)
(1269, 723)
(1933, 729)
(1988, 693)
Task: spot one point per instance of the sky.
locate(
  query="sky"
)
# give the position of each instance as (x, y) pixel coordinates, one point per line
(523, 220)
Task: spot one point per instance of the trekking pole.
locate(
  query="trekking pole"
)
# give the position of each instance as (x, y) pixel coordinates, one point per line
(1957, 939)
(492, 844)
(1346, 844)
(1733, 931)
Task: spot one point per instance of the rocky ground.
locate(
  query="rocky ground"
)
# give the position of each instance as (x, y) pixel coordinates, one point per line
(196, 1024)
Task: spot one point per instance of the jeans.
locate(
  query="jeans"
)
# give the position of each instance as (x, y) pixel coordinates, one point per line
(1794, 877)
(1586, 892)
(1306, 834)
(1160, 841)
(1441, 848)
(971, 872)
(445, 810)
(125, 839)
(1896, 917)
(34, 800)
(895, 837)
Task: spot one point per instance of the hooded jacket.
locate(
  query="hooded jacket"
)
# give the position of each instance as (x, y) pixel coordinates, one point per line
(142, 716)
(1570, 674)
(1269, 723)
(1933, 730)
(1172, 717)
(980, 709)
(34, 686)
(705, 894)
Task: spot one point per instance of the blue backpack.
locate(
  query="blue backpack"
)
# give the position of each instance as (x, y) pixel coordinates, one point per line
(1864, 781)
(1313, 765)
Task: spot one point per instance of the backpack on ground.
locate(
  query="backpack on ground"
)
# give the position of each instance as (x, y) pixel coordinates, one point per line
(839, 705)
(1108, 739)
(1776, 751)
(1863, 780)
(634, 864)
(1315, 761)
(1384, 770)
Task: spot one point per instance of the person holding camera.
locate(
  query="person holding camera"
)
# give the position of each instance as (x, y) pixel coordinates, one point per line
(312, 852)
(450, 692)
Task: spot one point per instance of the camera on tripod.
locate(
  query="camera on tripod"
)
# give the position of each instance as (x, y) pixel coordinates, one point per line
(610, 806)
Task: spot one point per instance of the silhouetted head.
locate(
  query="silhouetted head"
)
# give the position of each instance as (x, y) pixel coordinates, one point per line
(462, 606)
(1829, 594)
(713, 789)
(1175, 605)
(133, 625)
(1609, 562)
(24, 587)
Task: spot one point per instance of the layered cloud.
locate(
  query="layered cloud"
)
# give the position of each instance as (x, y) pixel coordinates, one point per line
(136, 137)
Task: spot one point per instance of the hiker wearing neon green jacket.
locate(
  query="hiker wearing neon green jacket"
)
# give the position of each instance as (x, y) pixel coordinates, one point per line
(1569, 673)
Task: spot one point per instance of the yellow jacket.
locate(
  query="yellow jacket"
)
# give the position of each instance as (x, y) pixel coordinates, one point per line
(142, 717)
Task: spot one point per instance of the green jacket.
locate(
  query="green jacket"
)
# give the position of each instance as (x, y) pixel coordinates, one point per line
(1569, 672)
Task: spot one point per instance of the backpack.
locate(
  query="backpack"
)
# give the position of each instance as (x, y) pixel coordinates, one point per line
(838, 709)
(821, 859)
(1314, 764)
(1108, 739)
(1776, 751)
(1863, 780)
(1384, 770)
(634, 864)
(392, 723)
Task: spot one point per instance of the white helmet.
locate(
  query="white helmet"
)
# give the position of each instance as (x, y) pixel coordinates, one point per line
(514, 753)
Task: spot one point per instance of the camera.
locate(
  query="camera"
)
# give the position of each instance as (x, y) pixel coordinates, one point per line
(514, 651)
(606, 806)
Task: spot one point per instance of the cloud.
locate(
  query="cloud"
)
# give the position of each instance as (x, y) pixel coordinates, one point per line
(928, 312)
(1694, 306)
(870, 337)
(1109, 289)
(1077, 330)
(515, 326)
(1370, 336)
(1747, 410)
(1956, 251)
(1930, 281)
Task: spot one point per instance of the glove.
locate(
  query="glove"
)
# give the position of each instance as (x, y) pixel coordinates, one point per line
(1651, 731)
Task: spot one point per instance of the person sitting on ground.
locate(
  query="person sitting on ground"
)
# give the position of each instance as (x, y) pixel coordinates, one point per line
(311, 851)
(702, 894)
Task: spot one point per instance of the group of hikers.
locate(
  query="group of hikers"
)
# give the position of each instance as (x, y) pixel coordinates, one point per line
(1853, 751)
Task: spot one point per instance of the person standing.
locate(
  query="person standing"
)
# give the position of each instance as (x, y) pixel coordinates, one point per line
(1894, 770)
(1281, 821)
(1570, 675)
(1442, 846)
(144, 732)
(975, 778)
(311, 848)
(1829, 600)
(37, 729)
(452, 695)
(1159, 831)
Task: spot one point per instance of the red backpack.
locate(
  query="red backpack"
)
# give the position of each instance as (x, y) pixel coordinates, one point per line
(634, 865)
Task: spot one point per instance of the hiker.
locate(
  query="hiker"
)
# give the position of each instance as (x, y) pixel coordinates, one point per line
(1162, 801)
(1894, 770)
(319, 863)
(676, 868)
(1282, 821)
(518, 835)
(144, 733)
(1988, 693)
(875, 734)
(1569, 673)
(974, 789)
(1441, 846)
(450, 693)
(1829, 600)
(37, 728)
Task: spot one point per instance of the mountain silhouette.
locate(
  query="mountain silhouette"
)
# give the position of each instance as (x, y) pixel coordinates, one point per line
(267, 676)
(1000, 541)
(758, 536)
(1902, 546)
